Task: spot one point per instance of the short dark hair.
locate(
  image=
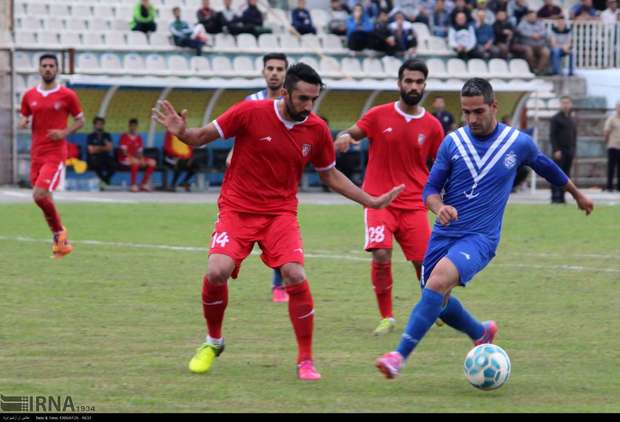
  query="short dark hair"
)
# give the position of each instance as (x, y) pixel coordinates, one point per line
(48, 56)
(566, 97)
(275, 56)
(301, 72)
(478, 87)
(413, 64)
(133, 121)
(98, 119)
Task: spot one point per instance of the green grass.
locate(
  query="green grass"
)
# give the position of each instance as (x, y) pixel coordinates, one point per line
(115, 326)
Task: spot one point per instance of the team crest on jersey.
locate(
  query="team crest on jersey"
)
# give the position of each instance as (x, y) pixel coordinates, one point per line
(421, 138)
(57, 105)
(33, 104)
(305, 149)
(510, 160)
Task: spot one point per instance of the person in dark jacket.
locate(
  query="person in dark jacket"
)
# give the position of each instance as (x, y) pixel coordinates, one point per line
(301, 19)
(563, 137)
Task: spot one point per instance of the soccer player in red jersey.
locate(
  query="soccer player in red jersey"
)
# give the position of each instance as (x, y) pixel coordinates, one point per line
(131, 156)
(275, 139)
(404, 138)
(49, 105)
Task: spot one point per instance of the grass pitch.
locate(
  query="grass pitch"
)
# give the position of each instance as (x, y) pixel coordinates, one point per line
(115, 323)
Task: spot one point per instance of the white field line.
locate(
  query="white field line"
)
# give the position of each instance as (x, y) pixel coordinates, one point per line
(322, 255)
(73, 198)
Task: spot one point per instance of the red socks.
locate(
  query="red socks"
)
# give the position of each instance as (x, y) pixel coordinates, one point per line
(381, 275)
(49, 211)
(134, 173)
(147, 174)
(214, 301)
(301, 312)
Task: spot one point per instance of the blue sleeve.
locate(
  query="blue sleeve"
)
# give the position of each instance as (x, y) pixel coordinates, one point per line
(439, 172)
(544, 166)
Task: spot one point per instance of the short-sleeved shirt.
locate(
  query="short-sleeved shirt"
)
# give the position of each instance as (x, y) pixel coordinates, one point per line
(613, 125)
(401, 145)
(49, 111)
(270, 156)
(98, 139)
(131, 145)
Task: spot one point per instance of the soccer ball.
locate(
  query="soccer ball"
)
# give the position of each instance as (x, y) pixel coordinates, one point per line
(487, 367)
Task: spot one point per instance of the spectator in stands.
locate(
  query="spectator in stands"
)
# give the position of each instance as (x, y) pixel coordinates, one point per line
(563, 138)
(460, 6)
(338, 16)
(533, 36)
(462, 38)
(504, 33)
(384, 40)
(611, 15)
(252, 19)
(229, 19)
(386, 5)
(517, 9)
(584, 11)
(561, 45)
(611, 132)
(209, 18)
(179, 156)
(489, 17)
(144, 17)
(404, 36)
(184, 35)
(445, 117)
(549, 10)
(497, 5)
(411, 10)
(100, 148)
(131, 148)
(301, 19)
(440, 19)
(359, 29)
(485, 36)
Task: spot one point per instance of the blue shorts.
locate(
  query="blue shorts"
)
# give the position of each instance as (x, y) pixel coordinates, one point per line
(470, 254)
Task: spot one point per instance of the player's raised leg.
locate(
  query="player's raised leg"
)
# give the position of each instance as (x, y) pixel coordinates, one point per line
(214, 302)
(301, 313)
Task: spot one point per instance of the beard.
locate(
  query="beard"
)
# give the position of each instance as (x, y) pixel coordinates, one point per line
(48, 79)
(274, 85)
(411, 98)
(296, 116)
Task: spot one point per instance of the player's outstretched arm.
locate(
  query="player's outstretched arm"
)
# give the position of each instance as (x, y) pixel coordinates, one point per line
(349, 137)
(338, 182)
(583, 202)
(176, 124)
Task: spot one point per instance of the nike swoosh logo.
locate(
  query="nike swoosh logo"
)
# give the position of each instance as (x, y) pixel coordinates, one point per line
(466, 255)
(266, 138)
(388, 130)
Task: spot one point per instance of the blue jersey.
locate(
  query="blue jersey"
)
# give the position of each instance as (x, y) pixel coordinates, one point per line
(477, 175)
(260, 95)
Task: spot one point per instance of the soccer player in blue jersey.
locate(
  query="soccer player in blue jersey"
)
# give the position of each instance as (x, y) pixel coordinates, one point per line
(467, 189)
(274, 72)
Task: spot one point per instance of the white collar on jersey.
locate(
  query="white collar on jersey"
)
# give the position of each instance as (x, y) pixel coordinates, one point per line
(48, 92)
(288, 123)
(409, 117)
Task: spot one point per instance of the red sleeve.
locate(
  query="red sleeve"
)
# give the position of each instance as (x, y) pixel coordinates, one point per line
(366, 123)
(123, 141)
(25, 110)
(75, 108)
(437, 136)
(140, 143)
(234, 120)
(324, 157)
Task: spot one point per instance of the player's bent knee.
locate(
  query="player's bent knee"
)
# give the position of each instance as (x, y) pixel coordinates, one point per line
(381, 256)
(40, 194)
(218, 275)
(444, 277)
(293, 273)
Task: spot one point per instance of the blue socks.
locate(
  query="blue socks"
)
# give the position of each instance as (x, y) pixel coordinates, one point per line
(457, 317)
(422, 318)
(277, 278)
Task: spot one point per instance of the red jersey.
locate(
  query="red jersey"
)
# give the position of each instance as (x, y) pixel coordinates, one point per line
(49, 110)
(400, 147)
(130, 145)
(270, 156)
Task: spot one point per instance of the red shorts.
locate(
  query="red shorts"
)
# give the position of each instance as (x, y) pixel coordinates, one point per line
(46, 174)
(410, 227)
(278, 236)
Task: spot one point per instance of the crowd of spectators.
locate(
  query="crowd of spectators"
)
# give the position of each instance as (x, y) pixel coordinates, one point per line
(472, 28)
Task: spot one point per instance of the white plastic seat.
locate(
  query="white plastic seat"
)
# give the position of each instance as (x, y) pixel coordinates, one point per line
(136, 40)
(553, 103)
(111, 63)
(477, 68)
(58, 9)
(46, 38)
(456, 68)
(289, 43)
(87, 63)
(310, 61)
(23, 63)
(75, 24)
(320, 18)
(159, 40)
(200, 65)
(115, 39)
(70, 39)
(33, 80)
(225, 42)
(156, 64)
(221, 66)
(310, 43)
(332, 43)
(536, 103)
(92, 39)
(372, 67)
(178, 64)
(330, 67)
(436, 68)
(125, 11)
(54, 24)
(134, 63)
(25, 38)
(37, 9)
(120, 24)
(29, 24)
(83, 11)
(391, 65)
(246, 42)
(498, 68)
(438, 46)
(20, 85)
(268, 42)
(421, 31)
(243, 66)
(351, 67)
(520, 69)
(98, 25)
